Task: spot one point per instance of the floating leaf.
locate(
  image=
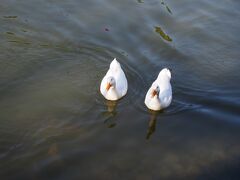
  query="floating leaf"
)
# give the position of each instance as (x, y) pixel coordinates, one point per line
(162, 33)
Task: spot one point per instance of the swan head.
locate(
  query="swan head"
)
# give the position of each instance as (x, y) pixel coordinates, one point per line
(115, 64)
(155, 91)
(165, 73)
(111, 83)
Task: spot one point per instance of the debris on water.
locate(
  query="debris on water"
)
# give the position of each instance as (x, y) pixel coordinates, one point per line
(10, 33)
(124, 53)
(19, 42)
(14, 38)
(23, 30)
(10, 17)
(111, 125)
(169, 10)
(166, 6)
(162, 33)
(44, 45)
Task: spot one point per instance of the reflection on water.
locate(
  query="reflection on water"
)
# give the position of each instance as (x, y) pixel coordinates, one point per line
(152, 124)
(110, 114)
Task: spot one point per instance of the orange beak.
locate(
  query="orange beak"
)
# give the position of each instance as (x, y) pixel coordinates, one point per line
(154, 93)
(108, 86)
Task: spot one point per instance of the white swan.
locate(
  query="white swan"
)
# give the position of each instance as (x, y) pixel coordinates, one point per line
(114, 84)
(159, 95)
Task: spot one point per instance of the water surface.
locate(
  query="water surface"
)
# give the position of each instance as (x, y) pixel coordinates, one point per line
(55, 124)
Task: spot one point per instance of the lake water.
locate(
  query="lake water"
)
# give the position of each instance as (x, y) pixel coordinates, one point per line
(55, 124)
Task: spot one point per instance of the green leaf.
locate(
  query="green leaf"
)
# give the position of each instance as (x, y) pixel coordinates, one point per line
(162, 33)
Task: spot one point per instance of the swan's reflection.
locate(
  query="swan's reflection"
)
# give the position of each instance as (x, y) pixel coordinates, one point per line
(110, 114)
(151, 124)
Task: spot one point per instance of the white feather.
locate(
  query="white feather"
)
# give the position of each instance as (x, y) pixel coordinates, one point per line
(121, 85)
(164, 98)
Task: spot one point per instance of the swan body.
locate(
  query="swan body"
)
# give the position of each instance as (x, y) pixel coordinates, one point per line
(159, 95)
(114, 84)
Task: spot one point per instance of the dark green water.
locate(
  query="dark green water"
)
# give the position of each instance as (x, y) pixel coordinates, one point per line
(54, 124)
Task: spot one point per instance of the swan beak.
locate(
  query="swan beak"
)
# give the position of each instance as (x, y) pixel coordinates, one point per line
(108, 86)
(154, 93)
